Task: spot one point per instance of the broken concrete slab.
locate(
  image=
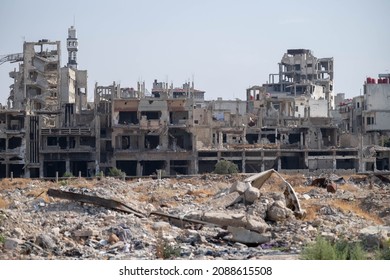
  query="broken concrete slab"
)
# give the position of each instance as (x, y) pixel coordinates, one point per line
(256, 224)
(245, 236)
(292, 200)
(221, 219)
(237, 220)
(225, 201)
(108, 203)
(239, 187)
(259, 179)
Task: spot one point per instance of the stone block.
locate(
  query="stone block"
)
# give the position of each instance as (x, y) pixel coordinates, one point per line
(251, 194)
(12, 243)
(246, 236)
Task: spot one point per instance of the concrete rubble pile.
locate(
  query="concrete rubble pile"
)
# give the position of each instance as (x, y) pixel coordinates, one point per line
(205, 217)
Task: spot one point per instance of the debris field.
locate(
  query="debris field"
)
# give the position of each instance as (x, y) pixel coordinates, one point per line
(263, 216)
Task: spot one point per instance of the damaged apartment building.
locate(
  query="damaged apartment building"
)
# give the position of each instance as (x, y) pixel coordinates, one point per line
(286, 123)
(48, 126)
(363, 123)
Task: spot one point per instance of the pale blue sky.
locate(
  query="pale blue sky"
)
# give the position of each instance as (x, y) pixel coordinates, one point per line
(225, 45)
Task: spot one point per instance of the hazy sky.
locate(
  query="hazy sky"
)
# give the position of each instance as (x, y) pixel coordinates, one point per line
(226, 46)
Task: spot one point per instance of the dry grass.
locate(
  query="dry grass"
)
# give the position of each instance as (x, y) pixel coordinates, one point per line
(7, 184)
(39, 192)
(348, 187)
(79, 183)
(303, 189)
(202, 195)
(158, 196)
(3, 203)
(353, 207)
(311, 209)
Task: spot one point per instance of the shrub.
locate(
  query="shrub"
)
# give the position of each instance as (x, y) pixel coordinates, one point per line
(321, 249)
(115, 172)
(341, 250)
(349, 251)
(164, 250)
(225, 167)
(63, 183)
(67, 175)
(384, 253)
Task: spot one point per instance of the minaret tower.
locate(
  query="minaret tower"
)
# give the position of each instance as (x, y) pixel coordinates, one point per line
(72, 46)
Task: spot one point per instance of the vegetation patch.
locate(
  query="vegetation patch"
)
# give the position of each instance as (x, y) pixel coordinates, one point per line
(225, 167)
(323, 249)
(115, 172)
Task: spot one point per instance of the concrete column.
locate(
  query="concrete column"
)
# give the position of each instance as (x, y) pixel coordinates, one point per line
(306, 159)
(168, 167)
(97, 143)
(67, 166)
(194, 148)
(139, 169)
(362, 165)
(27, 173)
(262, 161)
(142, 142)
(220, 142)
(243, 162)
(7, 170)
(301, 139)
(194, 165)
(164, 141)
(41, 173)
(334, 161)
(319, 138)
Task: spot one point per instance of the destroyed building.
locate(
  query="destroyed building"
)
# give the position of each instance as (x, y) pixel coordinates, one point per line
(364, 123)
(288, 123)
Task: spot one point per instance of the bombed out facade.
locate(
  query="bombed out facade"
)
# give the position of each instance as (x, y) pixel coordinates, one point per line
(294, 121)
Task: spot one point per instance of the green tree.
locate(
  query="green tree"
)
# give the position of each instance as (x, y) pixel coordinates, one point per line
(225, 167)
(115, 172)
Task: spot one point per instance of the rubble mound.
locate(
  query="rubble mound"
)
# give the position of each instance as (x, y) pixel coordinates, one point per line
(201, 217)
